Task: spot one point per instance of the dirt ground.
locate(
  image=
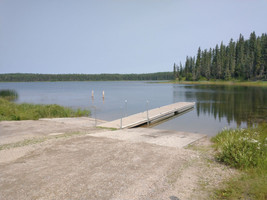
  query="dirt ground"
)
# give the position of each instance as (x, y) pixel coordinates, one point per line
(81, 166)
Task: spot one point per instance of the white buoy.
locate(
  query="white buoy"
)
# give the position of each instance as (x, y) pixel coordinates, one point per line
(92, 93)
(103, 94)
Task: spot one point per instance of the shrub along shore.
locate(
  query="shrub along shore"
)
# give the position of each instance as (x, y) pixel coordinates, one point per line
(26, 111)
(246, 150)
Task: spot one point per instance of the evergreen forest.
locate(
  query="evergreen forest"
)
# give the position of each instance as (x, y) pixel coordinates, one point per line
(240, 60)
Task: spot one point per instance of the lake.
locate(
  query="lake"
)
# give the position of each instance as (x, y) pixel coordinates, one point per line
(217, 107)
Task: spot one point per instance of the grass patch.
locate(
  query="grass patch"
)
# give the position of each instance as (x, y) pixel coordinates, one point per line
(11, 111)
(23, 143)
(38, 140)
(106, 128)
(251, 184)
(245, 149)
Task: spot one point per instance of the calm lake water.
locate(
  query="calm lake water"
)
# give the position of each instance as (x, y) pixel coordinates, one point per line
(216, 107)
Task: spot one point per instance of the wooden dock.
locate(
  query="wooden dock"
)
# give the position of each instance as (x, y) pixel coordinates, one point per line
(149, 116)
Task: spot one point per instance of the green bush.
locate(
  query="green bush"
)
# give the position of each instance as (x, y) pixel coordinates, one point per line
(242, 148)
(25, 111)
(245, 149)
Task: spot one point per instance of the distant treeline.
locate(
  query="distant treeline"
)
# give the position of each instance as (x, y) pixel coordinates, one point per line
(242, 60)
(19, 77)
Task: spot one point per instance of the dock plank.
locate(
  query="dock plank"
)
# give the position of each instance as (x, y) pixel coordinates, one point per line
(153, 114)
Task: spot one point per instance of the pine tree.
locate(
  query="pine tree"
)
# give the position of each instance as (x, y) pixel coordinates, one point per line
(181, 71)
(232, 57)
(223, 60)
(213, 65)
(187, 70)
(198, 64)
(264, 56)
(218, 65)
(174, 71)
(178, 73)
(193, 64)
(226, 72)
(240, 58)
(257, 54)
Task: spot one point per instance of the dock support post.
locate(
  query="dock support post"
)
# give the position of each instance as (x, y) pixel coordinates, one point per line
(147, 102)
(125, 114)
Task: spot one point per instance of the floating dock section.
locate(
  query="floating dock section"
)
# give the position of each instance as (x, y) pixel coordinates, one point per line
(149, 116)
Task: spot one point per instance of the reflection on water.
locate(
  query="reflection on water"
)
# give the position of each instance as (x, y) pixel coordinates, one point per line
(235, 103)
(218, 107)
(164, 120)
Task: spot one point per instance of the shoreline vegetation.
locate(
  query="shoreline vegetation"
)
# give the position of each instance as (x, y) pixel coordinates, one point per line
(10, 111)
(245, 150)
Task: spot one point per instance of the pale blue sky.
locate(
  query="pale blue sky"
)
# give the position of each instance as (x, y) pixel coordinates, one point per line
(118, 36)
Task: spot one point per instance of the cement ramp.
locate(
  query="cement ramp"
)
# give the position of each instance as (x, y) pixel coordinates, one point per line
(166, 138)
(15, 131)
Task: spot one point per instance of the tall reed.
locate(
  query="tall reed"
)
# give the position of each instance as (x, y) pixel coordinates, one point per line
(9, 95)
